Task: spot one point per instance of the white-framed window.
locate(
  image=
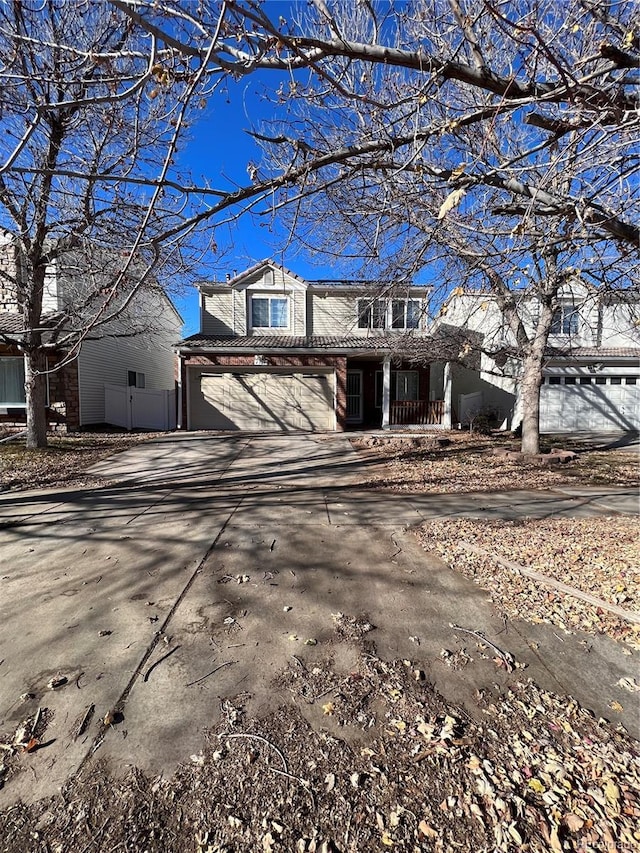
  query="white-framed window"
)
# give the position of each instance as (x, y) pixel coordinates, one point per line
(371, 313)
(404, 386)
(12, 391)
(136, 379)
(12, 381)
(388, 313)
(405, 313)
(270, 312)
(565, 320)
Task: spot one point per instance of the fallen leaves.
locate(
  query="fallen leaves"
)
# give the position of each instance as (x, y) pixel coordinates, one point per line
(530, 770)
(63, 462)
(599, 556)
(467, 465)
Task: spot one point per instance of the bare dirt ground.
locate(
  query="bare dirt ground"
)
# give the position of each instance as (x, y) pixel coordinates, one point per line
(388, 763)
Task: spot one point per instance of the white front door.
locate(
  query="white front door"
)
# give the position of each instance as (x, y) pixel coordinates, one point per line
(354, 396)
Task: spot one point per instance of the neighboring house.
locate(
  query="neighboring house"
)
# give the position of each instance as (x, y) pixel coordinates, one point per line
(123, 374)
(277, 352)
(591, 376)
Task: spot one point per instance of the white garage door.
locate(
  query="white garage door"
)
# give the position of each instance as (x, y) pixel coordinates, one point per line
(261, 400)
(570, 404)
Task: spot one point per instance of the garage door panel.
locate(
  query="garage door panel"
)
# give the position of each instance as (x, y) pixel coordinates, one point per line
(317, 401)
(251, 400)
(598, 408)
(207, 402)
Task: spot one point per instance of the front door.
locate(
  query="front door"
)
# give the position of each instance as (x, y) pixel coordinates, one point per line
(354, 396)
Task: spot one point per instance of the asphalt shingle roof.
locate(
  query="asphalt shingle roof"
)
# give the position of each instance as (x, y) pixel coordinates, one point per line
(11, 322)
(594, 352)
(287, 342)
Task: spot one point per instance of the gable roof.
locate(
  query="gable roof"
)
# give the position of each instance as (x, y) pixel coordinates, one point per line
(352, 284)
(264, 264)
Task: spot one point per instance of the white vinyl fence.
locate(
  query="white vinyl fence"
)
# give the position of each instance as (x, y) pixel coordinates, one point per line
(139, 408)
(469, 406)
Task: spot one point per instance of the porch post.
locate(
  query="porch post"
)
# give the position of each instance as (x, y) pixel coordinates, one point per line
(446, 384)
(386, 391)
(179, 390)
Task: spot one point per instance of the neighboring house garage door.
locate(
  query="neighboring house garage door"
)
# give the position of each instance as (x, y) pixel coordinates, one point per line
(569, 404)
(261, 400)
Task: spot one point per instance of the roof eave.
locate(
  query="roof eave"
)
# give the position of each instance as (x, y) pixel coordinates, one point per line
(257, 350)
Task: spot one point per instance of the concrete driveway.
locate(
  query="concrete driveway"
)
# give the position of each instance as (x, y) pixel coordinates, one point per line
(213, 560)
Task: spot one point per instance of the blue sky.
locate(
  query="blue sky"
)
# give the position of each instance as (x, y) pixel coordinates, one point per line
(218, 150)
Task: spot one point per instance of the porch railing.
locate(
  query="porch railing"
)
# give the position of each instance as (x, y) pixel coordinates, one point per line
(418, 412)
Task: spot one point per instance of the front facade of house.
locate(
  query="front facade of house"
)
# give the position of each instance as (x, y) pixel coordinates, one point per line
(276, 352)
(591, 375)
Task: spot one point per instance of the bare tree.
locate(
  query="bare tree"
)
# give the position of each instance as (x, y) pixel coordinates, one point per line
(432, 68)
(524, 113)
(496, 143)
(91, 111)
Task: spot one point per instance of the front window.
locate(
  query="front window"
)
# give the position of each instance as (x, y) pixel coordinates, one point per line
(404, 386)
(565, 321)
(388, 313)
(371, 314)
(269, 312)
(12, 382)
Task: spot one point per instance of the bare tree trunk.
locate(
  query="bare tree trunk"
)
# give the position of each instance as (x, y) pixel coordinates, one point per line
(35, 395)
(530, 389)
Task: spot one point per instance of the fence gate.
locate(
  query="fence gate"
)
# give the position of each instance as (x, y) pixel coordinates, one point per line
(139, 408)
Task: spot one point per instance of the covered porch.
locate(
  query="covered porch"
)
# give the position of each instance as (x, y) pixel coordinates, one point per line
(385, 393)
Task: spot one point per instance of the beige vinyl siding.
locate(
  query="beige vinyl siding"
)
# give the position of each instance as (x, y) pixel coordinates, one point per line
(239, 312)
(217, 315)
(270, 278)
(333, 315)
(299, 312)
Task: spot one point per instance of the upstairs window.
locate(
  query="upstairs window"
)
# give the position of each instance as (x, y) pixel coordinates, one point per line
(388, 313)
(405, 313)
(269, 312)
(565, 321)
(371, 314)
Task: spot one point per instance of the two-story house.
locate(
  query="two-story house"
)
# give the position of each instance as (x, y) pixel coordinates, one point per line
(277, 352)
(123, 371)
(591, 375)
